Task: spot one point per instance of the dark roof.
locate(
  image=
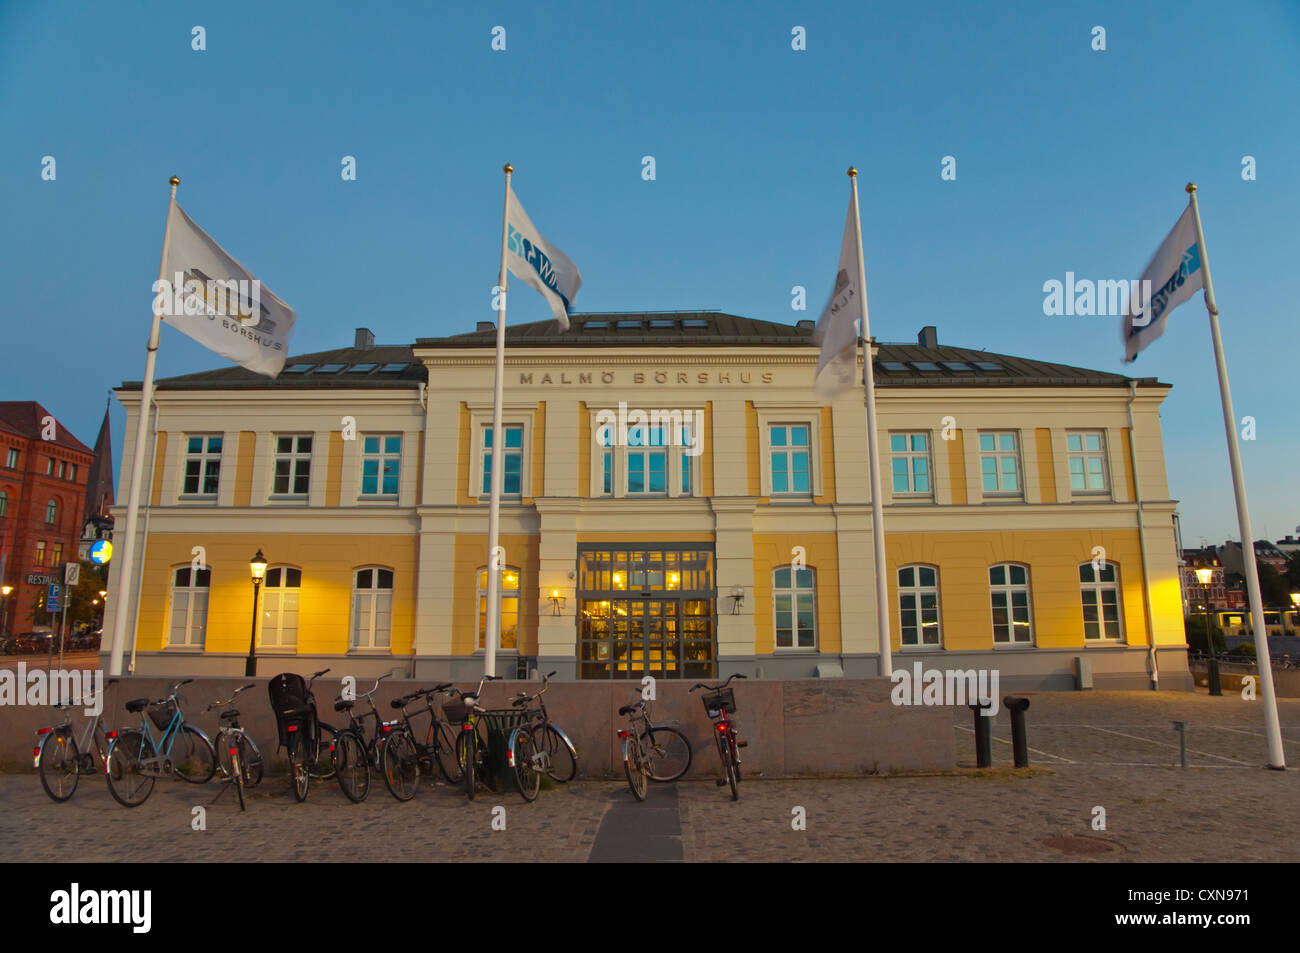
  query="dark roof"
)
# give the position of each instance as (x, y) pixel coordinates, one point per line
(24, 417)
(376, 377)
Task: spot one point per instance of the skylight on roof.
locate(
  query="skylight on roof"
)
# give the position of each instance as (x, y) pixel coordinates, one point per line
(960, 366)
(694, 323)
(393, 368)
(330, 368)
(361, 368)
(895, 366)
(628, 324)
(596, 325)
(925, 365)
(989, 366)
(663, 322)
(299, 368)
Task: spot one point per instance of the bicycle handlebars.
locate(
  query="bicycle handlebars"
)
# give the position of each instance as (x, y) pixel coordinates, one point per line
(218, 704)
(714, 688)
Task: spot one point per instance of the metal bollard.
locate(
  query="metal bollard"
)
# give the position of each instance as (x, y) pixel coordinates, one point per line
(1181, 728)
(1212, 675)
(983, 738)
(1019, 745)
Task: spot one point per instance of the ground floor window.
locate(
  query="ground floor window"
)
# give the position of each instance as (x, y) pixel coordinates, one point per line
(372, 608)
(189, 607)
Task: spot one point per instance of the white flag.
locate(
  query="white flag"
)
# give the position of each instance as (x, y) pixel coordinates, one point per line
(1174, 275)
(213, 298)
(836, 331)
(539, 264)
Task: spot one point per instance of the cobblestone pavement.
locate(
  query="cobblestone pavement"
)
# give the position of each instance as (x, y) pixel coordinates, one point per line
(1154, 811)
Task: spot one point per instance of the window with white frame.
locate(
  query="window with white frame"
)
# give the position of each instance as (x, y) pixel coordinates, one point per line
(11, 459)
(794, 601)
(280, 589)
(189, 607)
(372, 608)
(1100, 593)
(918, 607)
(292, 474)
(1086, 452)
(381, 465)
(1000, 464)
(910, 463)
(202, 466)
(1012, 608)
(509, 597)
(511, 456)
(789, 459)
(652, 463)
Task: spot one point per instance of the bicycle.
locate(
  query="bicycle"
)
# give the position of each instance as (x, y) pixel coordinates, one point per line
(471, 741)
(136, 757)
(718, 704)
(300, 731)
(406, 759)
(238, 758)
(657, 752)
(66, 760)
(353, 756)
(537, 746)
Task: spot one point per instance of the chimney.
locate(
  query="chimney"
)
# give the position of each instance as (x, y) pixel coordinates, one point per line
(364, 340)
(486, 326)
(929, 336)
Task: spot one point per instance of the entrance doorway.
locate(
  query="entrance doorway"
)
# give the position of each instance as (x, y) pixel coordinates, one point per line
(646, 610)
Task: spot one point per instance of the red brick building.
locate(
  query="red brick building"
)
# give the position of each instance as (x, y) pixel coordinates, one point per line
(43, 474)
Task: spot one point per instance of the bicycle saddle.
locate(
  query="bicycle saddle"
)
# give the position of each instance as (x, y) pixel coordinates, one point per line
(137, 704)
(397, 703)
(230, 715)
(627, 709)
(343, 704)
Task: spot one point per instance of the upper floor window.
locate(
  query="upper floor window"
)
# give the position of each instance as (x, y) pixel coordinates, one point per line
(918, 606)
(652, 463)
(509, 596)
(381, 465)
(1009, 594)
(202, 466)
(40, 552)
(910, 453)
(72, 472)
(1087, 456)
(11, 459)
(1100, 594)
(789, 459)
(512, 460)
(52, 511)
(1000, 463)
(56, 555)
(4, 504)
(372, 608)
(292, 466)
(794, 593)
(280, 607)
(189, 606)
(49, 466)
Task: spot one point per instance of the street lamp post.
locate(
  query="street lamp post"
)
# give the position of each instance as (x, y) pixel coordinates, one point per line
(4, 612)
(258, 567)
(1204, 576)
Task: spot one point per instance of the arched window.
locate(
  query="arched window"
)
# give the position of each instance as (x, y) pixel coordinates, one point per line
(1102, 620)
(372, 608)
(918, 607)
(51, 511)
(189, 606)
(509, 609)
(794, 601)
(280, 607)
(1012, 609)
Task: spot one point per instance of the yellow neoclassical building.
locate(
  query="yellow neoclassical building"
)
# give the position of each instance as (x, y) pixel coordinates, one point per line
(677, 502)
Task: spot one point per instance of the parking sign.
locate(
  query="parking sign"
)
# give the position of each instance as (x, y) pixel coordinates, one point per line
(52, 598)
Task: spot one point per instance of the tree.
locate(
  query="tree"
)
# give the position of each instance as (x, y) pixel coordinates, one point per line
(1194, 627)
(1292, 575)
(1272, 587)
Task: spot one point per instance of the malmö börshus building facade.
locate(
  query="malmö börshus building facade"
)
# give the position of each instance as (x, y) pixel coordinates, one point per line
(1011, 495)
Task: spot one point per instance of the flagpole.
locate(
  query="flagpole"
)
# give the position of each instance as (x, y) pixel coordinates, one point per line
(125, 575)
(495, 566)
(1273, 728)
(873, 456)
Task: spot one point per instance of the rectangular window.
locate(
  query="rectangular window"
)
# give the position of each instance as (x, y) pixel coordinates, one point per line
(607, 472)
(40, 552)
(509, 595)
(381, 462)
(63, 469)
(189, 611)
(1087, 456)
(1009, 593)
(279, 615)
(918, 606)
(49, 466)
(11, 459)
(788, 444)
(1000, 464)
(292, 466)
(1100, 594)
(512, 460)
(372, 609)
(794, 600)
(910, 453)
(202, 466)
(56, 555)
(72, 473)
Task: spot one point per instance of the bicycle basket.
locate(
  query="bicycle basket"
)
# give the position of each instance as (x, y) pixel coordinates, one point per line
(720, 701)
(455, 709)
(161, 714)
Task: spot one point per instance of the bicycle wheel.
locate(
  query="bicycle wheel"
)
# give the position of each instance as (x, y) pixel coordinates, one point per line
(401, 766)
(563, 764)
(192, 756)
(250, 761)
(352, 766)
(668, 753)
(129, 781)
(635, 769)
(59, 765)
(728, 765)
(300, 759)
(466, 753)
(446, 753)
(527, 778)
(237, 773)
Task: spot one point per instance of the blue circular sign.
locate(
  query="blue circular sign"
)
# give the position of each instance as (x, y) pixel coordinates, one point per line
(101, 552)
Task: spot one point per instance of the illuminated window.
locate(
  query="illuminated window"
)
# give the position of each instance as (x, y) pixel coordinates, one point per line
(280, 607)
(509, 597)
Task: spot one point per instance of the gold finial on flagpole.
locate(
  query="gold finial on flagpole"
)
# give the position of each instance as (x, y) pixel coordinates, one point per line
(852, 172)
(1191, 187)
(508, 169)
(174, 181)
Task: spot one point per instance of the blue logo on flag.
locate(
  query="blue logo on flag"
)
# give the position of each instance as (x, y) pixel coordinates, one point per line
(535, 257)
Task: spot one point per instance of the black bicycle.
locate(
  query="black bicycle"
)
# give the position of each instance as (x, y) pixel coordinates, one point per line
(720, 704)
(406, 760)
(657, 752)
(353, 755)
(238, 758)
(300, 730)
(471, 740)
(539, 746)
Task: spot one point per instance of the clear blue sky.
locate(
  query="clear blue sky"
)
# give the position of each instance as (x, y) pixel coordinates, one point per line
(1067, 160)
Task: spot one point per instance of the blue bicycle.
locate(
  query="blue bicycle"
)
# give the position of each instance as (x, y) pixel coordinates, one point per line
(136, 758)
